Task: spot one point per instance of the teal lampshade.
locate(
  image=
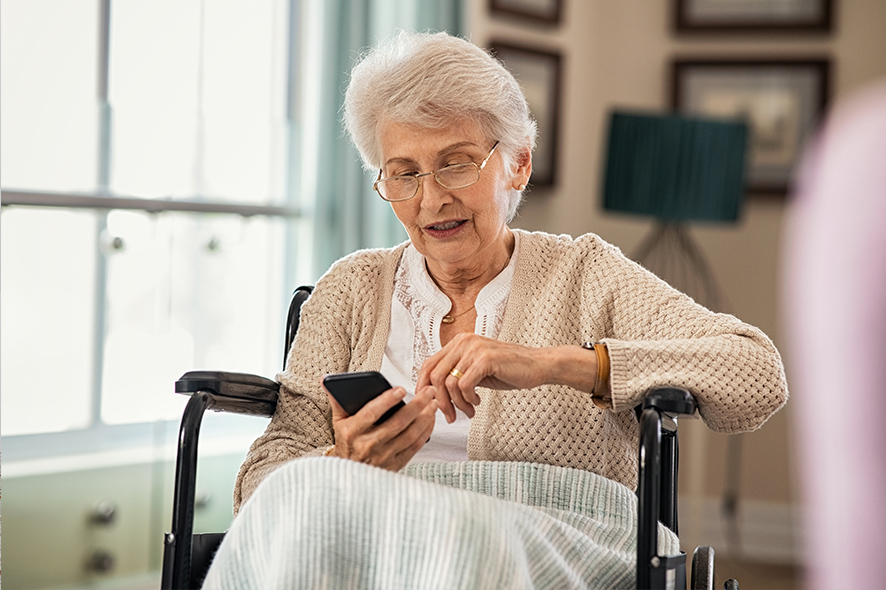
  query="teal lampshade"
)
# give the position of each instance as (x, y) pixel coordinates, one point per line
(675, 168)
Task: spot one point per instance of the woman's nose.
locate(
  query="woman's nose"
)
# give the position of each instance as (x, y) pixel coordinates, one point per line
(433, 195)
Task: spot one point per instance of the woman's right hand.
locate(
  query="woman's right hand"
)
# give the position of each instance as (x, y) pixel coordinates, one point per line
(393, 443)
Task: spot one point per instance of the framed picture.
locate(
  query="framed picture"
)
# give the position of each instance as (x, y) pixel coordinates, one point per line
(781, 100)
(753, 15)
(542, 11)
(539, 74)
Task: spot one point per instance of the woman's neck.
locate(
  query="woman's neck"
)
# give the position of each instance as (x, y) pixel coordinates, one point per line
(461, 283)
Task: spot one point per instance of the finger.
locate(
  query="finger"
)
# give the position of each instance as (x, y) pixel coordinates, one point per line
(456, 395)
(453, 391)
(441, 396)
(383, 441)
(424, 418)
(424, 404)
(404, 457)
(416, 436)
(430, 368)
(467, 384)
(461, 382)
(424, 374)
(338, 412)
(376, 408)
(433, 375)
(448, 375)
(432, 394)
(358, 434)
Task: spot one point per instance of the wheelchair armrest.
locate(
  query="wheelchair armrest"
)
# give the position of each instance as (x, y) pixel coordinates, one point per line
(673, 400)
(240, 393)
(657, 480)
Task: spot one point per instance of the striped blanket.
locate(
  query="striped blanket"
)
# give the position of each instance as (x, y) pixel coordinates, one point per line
(333, 523)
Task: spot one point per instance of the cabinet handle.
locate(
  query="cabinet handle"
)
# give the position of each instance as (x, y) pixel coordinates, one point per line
(104, 513)
(101, 561)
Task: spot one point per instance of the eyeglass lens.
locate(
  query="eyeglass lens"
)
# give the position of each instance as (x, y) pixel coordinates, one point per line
(399, 188)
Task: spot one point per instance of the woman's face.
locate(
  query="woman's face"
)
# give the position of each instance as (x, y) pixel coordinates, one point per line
(459, 231)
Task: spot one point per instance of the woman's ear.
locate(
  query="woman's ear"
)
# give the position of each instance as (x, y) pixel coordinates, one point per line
(522, 169)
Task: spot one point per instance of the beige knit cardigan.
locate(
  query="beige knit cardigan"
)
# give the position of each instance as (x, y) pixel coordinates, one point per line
(565, 291)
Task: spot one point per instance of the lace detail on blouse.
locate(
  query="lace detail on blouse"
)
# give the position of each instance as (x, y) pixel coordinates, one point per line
(422, 314)
(425, 305)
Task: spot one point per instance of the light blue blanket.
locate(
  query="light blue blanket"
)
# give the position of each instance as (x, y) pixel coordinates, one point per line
(333, 523)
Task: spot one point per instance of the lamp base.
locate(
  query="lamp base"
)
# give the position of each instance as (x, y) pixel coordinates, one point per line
(673, 255)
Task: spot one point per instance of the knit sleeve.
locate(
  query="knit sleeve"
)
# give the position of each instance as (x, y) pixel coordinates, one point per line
(659, 336)
(302, 422)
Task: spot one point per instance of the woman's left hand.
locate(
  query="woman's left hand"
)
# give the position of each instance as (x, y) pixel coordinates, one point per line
(482, 362)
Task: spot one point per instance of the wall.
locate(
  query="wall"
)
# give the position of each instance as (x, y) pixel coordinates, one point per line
(617, 54)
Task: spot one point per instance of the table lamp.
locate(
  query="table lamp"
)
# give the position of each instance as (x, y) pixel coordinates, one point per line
(676, 169)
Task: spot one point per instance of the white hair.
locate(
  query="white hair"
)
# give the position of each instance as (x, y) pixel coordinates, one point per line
(432, 80)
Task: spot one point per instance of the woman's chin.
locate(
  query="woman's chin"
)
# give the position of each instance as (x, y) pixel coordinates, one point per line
(449, 256)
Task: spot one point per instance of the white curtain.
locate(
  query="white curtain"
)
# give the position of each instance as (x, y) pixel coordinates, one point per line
(347, 214)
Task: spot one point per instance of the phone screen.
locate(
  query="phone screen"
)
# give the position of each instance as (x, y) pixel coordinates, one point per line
(354, 390)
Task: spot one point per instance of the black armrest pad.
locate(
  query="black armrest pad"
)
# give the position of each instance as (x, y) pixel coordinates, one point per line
(670, 399)
(234, 385)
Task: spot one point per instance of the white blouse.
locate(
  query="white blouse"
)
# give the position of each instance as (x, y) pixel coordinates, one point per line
(417, 309)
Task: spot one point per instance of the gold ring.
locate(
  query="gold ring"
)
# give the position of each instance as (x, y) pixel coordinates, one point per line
(456, 373)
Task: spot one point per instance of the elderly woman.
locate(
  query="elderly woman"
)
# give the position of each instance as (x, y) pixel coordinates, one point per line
(508, 346)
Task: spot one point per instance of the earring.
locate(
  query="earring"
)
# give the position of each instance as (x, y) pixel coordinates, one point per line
(520, 187)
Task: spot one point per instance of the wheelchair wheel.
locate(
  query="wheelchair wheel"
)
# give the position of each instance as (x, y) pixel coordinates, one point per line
(702, 577)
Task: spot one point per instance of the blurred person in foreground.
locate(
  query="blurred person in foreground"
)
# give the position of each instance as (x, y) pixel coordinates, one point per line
(520, 355)
(835, 308)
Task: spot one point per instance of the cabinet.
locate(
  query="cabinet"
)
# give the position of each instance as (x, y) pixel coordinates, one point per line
(56, 525)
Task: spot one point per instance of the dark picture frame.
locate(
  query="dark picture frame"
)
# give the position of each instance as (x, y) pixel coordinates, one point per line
(782, 100)
(801, 16)
(539, 73)
(542, 11)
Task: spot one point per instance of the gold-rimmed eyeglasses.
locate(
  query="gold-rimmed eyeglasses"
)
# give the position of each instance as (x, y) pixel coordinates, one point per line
(454, 176)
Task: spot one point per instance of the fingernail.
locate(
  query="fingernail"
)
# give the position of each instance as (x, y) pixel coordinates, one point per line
(399, 392)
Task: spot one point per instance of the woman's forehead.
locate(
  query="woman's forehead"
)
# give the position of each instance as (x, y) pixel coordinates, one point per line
(408, 142)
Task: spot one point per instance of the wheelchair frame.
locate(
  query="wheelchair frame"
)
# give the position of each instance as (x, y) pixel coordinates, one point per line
(187, 556)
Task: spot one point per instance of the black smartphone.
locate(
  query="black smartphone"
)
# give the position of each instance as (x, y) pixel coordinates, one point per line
(354, 390)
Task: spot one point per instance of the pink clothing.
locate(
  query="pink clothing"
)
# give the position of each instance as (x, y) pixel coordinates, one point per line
(835, 307)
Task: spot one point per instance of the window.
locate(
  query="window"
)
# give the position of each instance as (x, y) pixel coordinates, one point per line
(47, 306)
(158, 205)
(198, 95)
(148, 222)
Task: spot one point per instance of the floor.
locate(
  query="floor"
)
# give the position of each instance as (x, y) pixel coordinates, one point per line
(757, 576)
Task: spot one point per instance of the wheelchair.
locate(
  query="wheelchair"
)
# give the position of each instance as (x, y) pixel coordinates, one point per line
(187, 556)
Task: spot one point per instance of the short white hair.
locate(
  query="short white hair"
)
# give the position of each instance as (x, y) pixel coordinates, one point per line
(432, 80)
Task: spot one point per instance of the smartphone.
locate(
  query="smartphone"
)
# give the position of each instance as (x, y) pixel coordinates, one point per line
(354, 390)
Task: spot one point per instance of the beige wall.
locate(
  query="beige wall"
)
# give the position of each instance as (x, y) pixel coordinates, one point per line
(617, 53)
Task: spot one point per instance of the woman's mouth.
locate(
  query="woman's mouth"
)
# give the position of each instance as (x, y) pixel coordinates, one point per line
(444, 229)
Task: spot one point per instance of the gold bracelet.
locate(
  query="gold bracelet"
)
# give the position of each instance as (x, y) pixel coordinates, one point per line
(600, 392)
(601, 387)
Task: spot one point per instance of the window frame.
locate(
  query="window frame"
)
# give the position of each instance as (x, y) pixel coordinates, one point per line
(98, 436)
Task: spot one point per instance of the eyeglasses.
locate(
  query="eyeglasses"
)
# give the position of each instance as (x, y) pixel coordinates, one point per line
(403, 188)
